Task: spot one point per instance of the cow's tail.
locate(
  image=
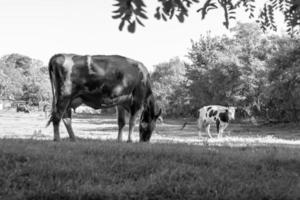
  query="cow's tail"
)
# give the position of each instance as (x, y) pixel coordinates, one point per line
(185, 123)
(54, 100)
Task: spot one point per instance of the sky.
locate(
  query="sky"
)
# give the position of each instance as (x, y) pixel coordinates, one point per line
(42, 28)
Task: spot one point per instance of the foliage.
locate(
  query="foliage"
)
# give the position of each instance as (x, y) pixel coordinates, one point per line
(252, 49)
(290, 9)
(108, 170)
(126, 10)
(284, 78)
(133, 11)
(213, 76)
(256, 72)
(168, 85)
(23, 78)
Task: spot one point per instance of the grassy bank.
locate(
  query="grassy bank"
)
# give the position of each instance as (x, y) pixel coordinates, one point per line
(108, 170)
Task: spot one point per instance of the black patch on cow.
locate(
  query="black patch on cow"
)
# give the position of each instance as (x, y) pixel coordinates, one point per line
(208, 108)
(215, 118)
(213, 113)
(119, 75)
(106, 90)
(218, 125)
(92, 85)
(224, 116)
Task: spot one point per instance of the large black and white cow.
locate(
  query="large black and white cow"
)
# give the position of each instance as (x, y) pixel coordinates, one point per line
(220, 115)
(101, 81)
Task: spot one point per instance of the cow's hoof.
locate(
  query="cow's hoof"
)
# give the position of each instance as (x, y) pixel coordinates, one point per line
(129, 141)
(56, 139)
(73, 139)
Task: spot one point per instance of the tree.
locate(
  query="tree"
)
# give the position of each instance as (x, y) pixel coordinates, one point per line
(214, 76)
(231, 71)
(252, 50)
(24, 78)
(257, 72)
(132, 12)
(13, 75)
(283, 94)
(169, 86)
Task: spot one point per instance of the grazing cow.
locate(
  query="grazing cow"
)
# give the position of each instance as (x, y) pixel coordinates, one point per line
(101, 81)
(215, 114)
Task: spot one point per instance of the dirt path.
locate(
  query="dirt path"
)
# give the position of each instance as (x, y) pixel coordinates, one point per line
(32, 126)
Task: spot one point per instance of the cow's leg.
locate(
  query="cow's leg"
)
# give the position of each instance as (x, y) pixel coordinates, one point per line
(132, 120)
(207, 129)
(57, 114)
(121, 122)
(56, 121)
(67, 119)
(222, 128)
(218, 127)
(134, 110)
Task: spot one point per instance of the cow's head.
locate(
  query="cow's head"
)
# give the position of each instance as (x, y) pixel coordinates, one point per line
(148, 120)
(231, 112)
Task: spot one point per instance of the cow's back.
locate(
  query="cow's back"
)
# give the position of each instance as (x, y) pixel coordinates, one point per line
(96, 69)
(208, 113)
(92, 78)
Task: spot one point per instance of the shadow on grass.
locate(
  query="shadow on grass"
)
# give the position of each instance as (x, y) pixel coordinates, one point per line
(103, 122)
(93, 116)
(110, 129)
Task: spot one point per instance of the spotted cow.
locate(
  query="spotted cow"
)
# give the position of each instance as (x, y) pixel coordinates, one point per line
(220, 115)
(101, 81)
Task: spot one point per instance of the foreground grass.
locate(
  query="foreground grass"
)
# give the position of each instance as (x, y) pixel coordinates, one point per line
(107, 170)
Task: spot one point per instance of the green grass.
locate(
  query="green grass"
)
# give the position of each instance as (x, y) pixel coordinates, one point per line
(90, 169)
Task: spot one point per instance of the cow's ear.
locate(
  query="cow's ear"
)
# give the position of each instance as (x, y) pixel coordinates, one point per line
(160, 119)
(158, 114)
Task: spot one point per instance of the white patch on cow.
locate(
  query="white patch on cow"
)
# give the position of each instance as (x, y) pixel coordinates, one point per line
(68, 65)
(89, 62)
(93, 68)
(117, 90)
(124, 82)
(144, 71)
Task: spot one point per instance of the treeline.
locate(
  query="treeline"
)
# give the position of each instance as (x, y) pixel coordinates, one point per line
(259, 73)
(24, 78)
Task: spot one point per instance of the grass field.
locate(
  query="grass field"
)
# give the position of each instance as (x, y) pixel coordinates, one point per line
(251, 162)
(91, 169)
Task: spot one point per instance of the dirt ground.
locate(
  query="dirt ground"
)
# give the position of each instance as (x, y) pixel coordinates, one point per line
(104, 127)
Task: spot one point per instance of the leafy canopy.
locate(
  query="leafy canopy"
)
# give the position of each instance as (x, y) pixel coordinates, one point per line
(132, 12)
